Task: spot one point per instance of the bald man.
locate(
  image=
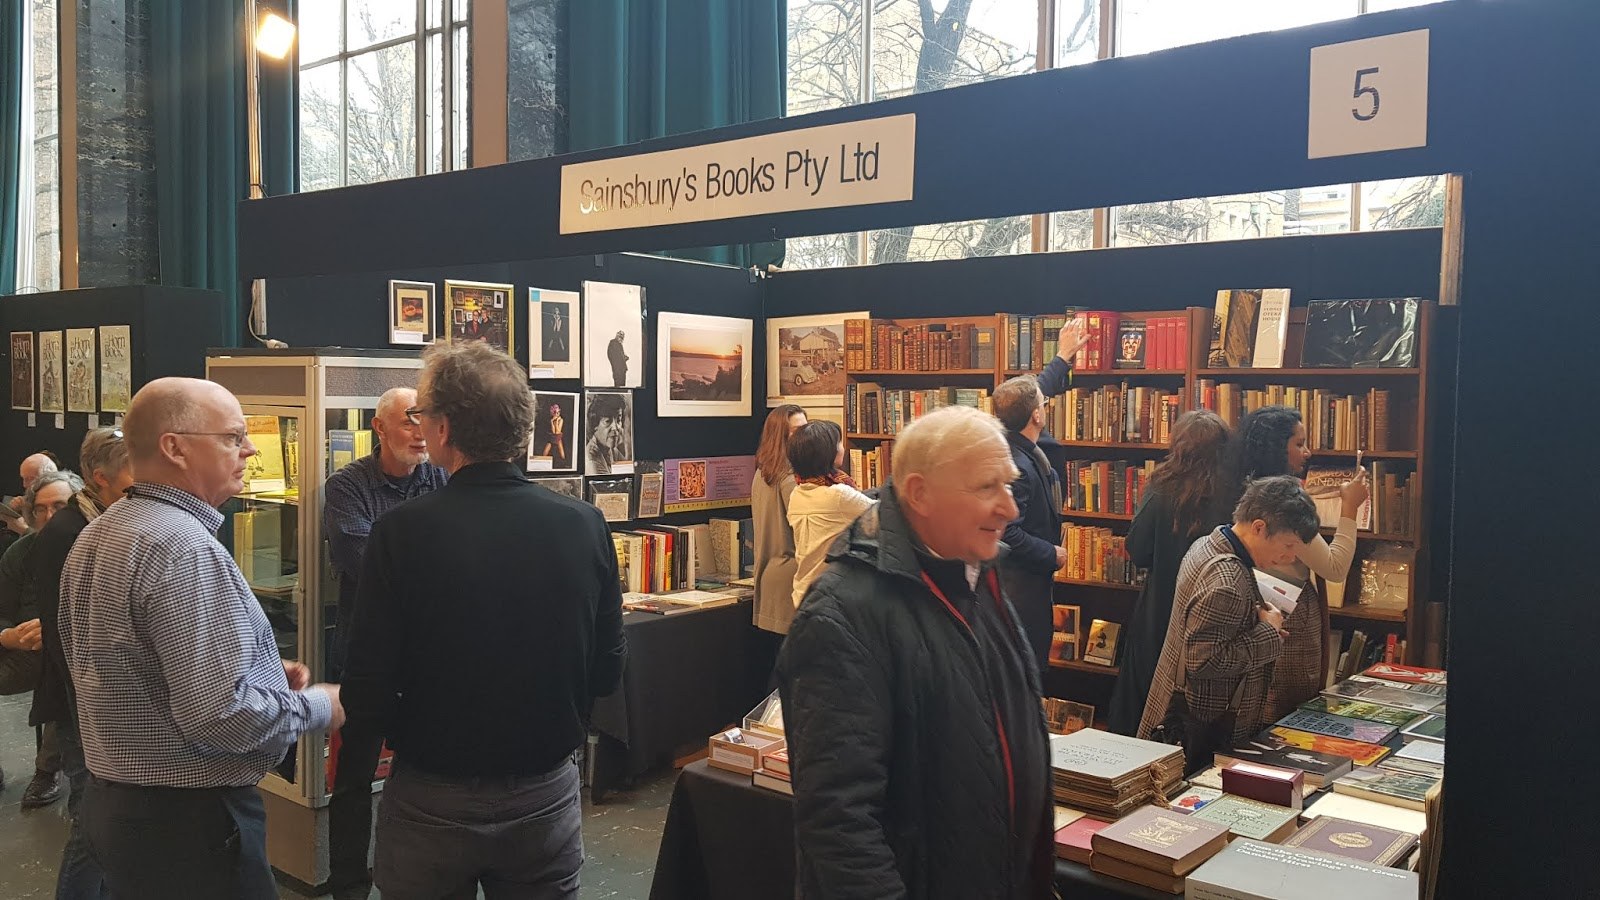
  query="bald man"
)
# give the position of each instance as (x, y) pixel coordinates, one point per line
(910, 696)
(184, 704)
(357, 495)
(32, 467)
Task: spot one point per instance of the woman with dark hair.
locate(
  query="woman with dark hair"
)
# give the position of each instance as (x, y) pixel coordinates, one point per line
(1272, 441)
(825, 500)
(1181, 503)
(769, 508)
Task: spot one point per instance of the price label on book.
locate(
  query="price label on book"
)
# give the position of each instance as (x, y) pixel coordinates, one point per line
(1369, 95)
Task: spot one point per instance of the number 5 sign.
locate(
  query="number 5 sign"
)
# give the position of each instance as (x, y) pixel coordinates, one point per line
(1369, 95)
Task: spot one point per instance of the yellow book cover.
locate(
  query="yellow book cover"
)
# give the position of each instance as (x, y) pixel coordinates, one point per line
(264, 471)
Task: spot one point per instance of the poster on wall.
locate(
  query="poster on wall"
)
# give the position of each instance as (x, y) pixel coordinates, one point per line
(552, 334)
(80, 370)
(608, 433)
(22, 370)
(707, 483)
(613, 326)
(702, 365)
(805, 359)
(410, 312)
(116, 374)
(478, 311)
(51, 373)
(555, 421)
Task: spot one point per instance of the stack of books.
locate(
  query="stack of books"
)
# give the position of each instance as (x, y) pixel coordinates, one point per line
(774, 773)
(1250, 869)
(1110, 775)
(1156, 847)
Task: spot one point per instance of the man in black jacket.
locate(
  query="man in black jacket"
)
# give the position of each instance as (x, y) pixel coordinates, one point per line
(1028, 571)
(488, 618)
(911, 702)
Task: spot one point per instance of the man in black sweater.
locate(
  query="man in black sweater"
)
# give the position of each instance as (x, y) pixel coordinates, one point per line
(488, 618)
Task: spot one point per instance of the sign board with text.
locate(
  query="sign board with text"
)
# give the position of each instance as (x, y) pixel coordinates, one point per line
(849, 164)
(1369, 95)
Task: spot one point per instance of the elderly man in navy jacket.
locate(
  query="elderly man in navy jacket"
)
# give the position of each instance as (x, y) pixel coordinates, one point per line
(1028, 571)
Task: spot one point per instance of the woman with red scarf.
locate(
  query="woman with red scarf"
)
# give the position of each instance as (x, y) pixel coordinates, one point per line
(825, 501)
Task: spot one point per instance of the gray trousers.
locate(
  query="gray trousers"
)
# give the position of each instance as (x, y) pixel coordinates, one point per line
(19, 673)
(438, 838)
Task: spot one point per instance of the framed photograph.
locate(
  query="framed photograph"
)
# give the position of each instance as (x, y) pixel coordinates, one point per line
(566, 487)
(116, 376)
(553, 334)
(608, 433)
(411, 312)
(555, 423)
(613, 325)
(702, 365)
(22, 370)
(1066, 717)
(478, 311)
(1067, 619)
(81, 365)
(647, 489)
(613, 497)
(805, 359)
(52, 395)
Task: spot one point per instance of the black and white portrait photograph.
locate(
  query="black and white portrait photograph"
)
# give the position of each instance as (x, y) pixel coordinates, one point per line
(567, 487)
(552, 334)
(555, 422)
(613, 324)
(608, 433)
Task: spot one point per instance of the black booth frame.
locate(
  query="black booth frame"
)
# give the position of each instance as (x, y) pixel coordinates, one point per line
(1512, 89)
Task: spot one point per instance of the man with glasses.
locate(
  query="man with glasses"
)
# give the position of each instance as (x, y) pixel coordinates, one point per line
(183, 701)
(356, 496)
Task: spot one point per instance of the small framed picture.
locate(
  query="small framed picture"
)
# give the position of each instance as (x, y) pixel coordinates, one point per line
(555, 425)
(410, 312)
(613, 497)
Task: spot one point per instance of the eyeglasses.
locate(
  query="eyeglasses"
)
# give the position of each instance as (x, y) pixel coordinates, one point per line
(116, 433)
(234, 439)
(414, 414)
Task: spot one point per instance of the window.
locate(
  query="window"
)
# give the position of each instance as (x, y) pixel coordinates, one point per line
(1145, 26)
(1403, 203)
(39, 171)
(383, 90)
(825, 55)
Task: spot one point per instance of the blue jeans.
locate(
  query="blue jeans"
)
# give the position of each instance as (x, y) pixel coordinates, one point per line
(79, 877)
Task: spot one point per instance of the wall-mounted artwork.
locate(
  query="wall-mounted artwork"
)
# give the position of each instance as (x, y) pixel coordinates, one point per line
(479, 311)
(613, 326)
(702, 365)
(553, 334)
(410, 312)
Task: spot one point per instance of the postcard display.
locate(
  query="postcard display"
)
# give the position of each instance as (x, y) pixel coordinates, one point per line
(309, 412)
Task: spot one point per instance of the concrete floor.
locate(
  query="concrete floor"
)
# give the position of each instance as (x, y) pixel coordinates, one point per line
(620, 837)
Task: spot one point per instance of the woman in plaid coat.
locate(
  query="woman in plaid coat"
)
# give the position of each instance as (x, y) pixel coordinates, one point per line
(1222, 639)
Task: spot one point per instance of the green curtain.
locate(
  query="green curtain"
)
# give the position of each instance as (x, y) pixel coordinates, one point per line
(11, 88)
(648, 68)
(198, 82)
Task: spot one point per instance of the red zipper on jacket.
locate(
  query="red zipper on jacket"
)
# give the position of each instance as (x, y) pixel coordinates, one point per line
(999, 723)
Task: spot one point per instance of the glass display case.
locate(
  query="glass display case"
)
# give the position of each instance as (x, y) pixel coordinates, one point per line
(309, 412)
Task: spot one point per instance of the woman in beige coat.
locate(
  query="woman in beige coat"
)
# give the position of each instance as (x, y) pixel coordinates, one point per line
(769, 508)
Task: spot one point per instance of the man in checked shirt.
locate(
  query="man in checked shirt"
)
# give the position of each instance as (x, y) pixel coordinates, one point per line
(183, 701)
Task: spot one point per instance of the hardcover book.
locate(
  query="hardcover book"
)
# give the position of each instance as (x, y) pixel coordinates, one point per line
(1412, 767)
(1193, 798)
(1272, 327)
(1338, 726)
(1320, 768)
(1250, 818)
(1424, 751)
(1250, 870)
(1353, 840)
(1324, 484)
(1158, 839)
(1360, 753)
(1266, 784)
(1101, 647)
(1405, 674)
(1233, 329)
(1358, 709)
(1386, 786)
(1388, 696)
(1103, 755)
(1357, 809)
(1127, 871)
(1072, 842)
(1131, 340)
(1429, 728)
(1422, 688)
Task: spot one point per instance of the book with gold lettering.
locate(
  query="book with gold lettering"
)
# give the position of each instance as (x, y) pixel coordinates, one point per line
(1353, 840)
(1159, 839)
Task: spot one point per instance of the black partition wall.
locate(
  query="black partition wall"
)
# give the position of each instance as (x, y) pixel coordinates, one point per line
(350, 311)
(1511, 93)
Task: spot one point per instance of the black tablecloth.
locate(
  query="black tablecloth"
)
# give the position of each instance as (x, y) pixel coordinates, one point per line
(688, 675)
(727, 838)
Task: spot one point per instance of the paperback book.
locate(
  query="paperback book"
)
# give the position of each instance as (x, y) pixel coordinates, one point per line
(1250, 818)
(1338, 726)
(1354, 840)
(1358, 709)
(1360, 753)
(1386, 786)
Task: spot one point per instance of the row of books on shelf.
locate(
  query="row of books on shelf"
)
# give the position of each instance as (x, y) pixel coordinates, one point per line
(873, 344)
(1362, 652)
(1097, 554)
(1115, 414)
(653, 559)
(1113, 487)
(1303, 810)
(869, 408)
(1334, 420)
(870, 468)
(1250, 330)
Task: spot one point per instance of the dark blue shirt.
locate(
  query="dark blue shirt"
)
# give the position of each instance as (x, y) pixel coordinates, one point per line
(356, 496)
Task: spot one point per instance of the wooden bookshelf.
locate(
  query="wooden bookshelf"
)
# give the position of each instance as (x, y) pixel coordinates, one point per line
(1306, 373)
(1111, 445)
(1108, 585)
(1084, 514)
(1377, 615)
(1080, 666)
(922, 373)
